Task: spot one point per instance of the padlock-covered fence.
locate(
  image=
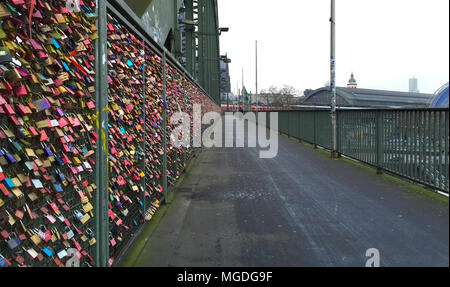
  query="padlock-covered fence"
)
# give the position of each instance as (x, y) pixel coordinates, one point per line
(86, 154)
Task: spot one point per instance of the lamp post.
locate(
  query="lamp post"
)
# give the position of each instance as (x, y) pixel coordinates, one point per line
(333, 81)
(256, 54)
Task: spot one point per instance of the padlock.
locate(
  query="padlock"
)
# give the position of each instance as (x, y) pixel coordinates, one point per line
(47, 252)
(112, 241)
(54, 208)
(4, 262)
(39, 233)
(69, 233)
(21, 236)
(31, 252)
(76, 245)
(60, 175)
(37, 183)
(4, 234)
(13, 242)
(78, 215)
(47, 150)
(50, 218)
(34, 237)
(62, 254)
(85, 218)
(19, 260)
(91, 236)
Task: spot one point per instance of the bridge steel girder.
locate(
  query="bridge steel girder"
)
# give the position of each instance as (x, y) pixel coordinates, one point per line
(190, 39)
(202, 61)
(208, 48)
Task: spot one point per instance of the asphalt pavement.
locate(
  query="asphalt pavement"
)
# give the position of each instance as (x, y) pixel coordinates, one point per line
(300, 208)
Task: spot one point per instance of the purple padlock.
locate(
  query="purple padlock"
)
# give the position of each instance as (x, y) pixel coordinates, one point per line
(41, 104)
(10, 158)
(47, 150)
(60, 112)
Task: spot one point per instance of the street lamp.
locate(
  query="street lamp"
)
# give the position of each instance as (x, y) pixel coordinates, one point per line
(188, 22)
(225, 59)
(219, 32)
(193, 23)
(223, 29)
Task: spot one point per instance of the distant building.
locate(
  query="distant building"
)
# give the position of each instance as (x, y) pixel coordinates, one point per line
(352, 82)
(440, 99)
(367, 98)
(413, 85)
(269, 99)
(227, 97)
(225, 82)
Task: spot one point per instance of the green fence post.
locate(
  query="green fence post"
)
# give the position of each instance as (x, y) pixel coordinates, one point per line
(185, 148)
(299, 122)
(446, 150)
(379, 141)
(288, 124)
(338, 134)
(315, 129)
(164, 174)
(144, 142)
(101, 124)
(279, 122)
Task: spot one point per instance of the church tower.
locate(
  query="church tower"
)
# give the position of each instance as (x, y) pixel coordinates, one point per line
(352, 82)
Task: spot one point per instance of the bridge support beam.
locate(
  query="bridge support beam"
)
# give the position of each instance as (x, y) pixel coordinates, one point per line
(208, 48)
(190, 38)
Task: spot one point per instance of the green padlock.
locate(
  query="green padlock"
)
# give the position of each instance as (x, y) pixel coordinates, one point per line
(16, 145)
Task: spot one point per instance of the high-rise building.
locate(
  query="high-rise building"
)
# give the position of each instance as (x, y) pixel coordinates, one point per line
(413, 85)
(225, 83)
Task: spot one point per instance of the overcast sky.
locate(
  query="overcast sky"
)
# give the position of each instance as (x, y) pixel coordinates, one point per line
(384, 42)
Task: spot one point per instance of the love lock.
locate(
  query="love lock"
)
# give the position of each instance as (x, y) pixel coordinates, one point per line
(78, 215)
(13, 241)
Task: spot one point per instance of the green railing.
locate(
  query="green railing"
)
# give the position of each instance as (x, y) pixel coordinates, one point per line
(412, 143)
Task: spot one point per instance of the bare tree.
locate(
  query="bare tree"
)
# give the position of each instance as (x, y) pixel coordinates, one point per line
(287, 94)
(273, 90)
(262, 93)
(281, 97)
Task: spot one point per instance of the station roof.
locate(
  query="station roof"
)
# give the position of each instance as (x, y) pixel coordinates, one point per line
(351, 97)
